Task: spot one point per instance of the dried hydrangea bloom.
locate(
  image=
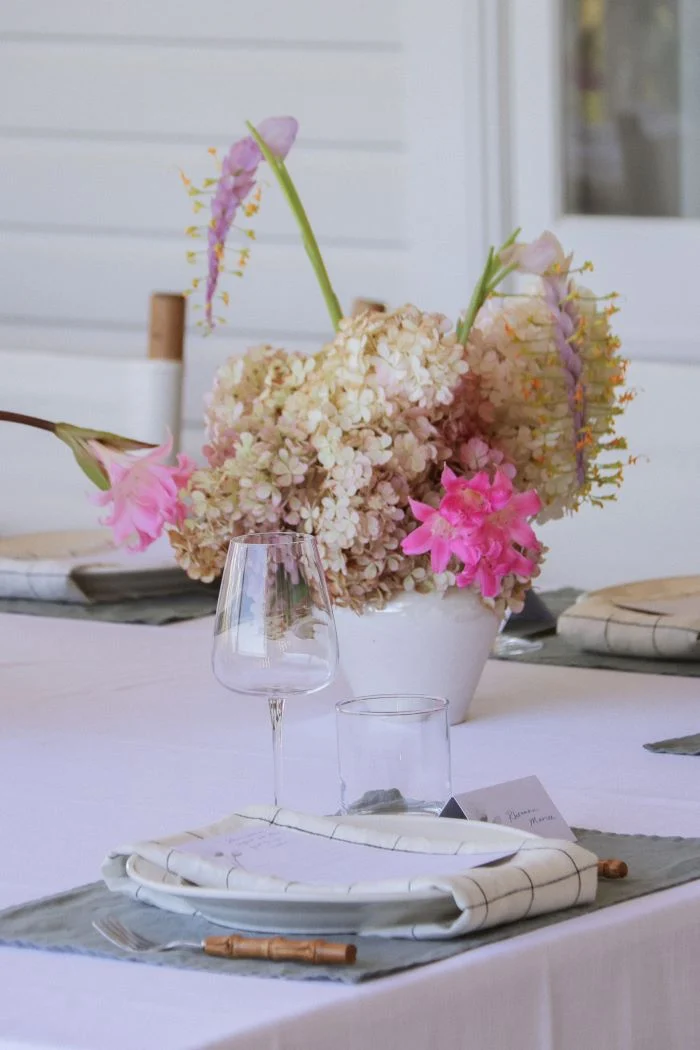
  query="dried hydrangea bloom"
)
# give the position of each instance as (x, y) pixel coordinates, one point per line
(333, 444)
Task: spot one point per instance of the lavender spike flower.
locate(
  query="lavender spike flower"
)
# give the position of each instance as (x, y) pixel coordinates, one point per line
(545, 258)
(556, 289)
(236, 182)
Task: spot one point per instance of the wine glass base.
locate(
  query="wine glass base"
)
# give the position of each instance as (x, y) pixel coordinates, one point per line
(507, 645)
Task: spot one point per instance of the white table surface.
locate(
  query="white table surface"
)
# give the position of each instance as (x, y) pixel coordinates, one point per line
(110, 733)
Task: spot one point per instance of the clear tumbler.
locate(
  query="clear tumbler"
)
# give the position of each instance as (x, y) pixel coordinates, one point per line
(393, 754)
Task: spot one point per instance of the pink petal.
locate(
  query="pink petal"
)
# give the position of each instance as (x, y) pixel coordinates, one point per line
(466, 577)
(527, 504)
(521, 565)
(243, 156)
(501, 490)
(537, 257)
(421, 511)
(161, 452)
(487, 580)
(419, 541)
(279, 134)
(481, 483)
(448, 477)
(440, 554)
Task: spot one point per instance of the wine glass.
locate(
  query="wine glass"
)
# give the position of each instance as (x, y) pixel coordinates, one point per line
(274, 633)
(512, 645)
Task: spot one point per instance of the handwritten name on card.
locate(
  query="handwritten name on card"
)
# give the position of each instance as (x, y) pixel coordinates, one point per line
(522, 804)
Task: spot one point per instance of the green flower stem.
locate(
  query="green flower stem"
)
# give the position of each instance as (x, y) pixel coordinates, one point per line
(477, 300)
(289, 190)
(500, 277)
(492, 275)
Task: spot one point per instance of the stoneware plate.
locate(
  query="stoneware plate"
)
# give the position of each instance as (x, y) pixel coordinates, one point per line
(325, 912)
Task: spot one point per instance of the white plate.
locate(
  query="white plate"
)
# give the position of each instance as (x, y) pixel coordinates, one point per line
(325, 912)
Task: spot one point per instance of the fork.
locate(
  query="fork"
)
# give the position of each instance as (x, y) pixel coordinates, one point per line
(232, 947)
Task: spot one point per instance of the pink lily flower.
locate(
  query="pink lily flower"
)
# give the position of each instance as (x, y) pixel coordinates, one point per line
(144, 492)
(470, 502)
(537, 257)
(483, 522)
(436, 535)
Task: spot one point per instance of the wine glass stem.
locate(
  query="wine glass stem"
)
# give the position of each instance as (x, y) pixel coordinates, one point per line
(276, 704)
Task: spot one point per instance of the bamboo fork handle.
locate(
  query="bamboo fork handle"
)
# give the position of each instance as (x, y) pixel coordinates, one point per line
(279, 949)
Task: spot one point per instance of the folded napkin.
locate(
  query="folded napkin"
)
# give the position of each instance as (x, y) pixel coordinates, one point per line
(677, 745)
(84, 567)
(662, 629)
(544, 875)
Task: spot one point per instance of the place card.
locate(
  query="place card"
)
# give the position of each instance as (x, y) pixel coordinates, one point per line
(522, 804)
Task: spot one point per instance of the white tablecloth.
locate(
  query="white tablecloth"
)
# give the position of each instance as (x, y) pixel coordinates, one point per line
(110, 733)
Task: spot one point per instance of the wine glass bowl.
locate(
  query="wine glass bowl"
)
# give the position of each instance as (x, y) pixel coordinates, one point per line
(274, 632)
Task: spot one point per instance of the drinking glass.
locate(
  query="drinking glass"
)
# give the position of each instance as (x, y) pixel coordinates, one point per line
(505, 645)
(274, 634)
(393, 754)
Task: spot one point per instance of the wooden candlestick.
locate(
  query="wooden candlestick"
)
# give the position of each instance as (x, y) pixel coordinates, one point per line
(280, 949)
(166, 328)
(612, 869)
(373, 306)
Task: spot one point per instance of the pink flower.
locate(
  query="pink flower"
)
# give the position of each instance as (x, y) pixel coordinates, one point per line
(481, 503)
(436, 535)
(489, 560)
(279, 134)
(484, 523)
(144, 492)
(538, 257)
(235, 183)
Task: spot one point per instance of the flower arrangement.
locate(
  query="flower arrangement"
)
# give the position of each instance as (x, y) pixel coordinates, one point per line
(404, 420)
(418, 452)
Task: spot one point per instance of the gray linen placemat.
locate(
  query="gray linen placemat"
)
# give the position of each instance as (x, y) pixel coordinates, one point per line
(557, 653)
(679, 745)
(63, 922)
(156, 611)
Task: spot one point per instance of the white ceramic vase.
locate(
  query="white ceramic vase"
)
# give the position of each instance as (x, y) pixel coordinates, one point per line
(432, 644)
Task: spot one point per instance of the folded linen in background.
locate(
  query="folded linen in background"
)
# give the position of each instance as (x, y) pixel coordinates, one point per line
(656, 619)
(85, 566)
(541, 875)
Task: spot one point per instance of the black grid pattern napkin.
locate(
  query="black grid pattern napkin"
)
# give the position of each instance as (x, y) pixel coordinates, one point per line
(544, 875)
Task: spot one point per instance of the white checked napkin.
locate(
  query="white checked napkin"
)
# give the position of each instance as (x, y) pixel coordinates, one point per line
(544, 875)
(662, 623)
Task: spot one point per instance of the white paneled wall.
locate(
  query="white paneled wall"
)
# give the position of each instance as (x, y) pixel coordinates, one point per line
(101, 103)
